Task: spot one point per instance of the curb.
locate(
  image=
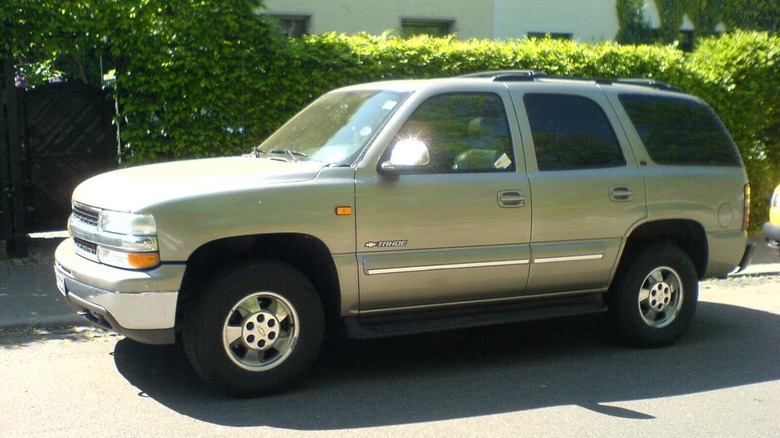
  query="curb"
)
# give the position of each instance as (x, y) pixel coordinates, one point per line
(762, 269)
(49, 322)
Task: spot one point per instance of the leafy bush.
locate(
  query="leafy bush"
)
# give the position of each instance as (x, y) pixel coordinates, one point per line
(194, 80)
(191, 111)
(737, 75)
(198, 78)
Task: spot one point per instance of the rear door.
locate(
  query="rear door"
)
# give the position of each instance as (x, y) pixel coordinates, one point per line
(588, 192)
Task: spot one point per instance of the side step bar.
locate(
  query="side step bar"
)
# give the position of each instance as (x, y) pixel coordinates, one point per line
(394, 325)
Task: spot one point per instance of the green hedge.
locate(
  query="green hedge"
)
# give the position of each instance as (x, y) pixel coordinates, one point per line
(198, 78)
(181, 106)
(174, 107)
(251, 93)
(738, 75)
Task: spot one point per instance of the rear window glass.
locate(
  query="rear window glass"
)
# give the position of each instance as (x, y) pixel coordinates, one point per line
(680, 131)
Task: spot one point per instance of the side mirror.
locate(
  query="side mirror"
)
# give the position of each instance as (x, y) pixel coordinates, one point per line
(407, 155)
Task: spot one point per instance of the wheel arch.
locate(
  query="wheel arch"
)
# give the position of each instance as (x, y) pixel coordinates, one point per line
(688, 235)
(304, 252)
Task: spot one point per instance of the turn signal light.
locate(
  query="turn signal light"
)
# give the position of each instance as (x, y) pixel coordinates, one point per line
(143, 260)
(127, 260)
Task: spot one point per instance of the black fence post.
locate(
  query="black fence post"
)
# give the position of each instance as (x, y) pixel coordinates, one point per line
(13, 203)
(5, 165)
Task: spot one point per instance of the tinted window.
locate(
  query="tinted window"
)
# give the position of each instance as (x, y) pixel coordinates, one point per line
(571, 132)
(679, 131)
(464, 132)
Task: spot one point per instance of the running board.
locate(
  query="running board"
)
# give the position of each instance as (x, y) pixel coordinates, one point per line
(394, 325)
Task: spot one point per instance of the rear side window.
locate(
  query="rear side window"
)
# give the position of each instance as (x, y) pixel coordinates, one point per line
(680, 131)
(571, 132)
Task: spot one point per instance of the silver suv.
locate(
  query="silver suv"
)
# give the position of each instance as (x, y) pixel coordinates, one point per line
(409, 206)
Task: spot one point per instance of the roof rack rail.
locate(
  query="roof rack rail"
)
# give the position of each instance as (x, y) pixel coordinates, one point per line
(532, 75)
(645, 82)
(507, 75)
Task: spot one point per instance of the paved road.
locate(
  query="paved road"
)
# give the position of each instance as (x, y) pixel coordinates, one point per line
(553, 378)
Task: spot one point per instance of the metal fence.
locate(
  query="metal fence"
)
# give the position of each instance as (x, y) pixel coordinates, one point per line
(52, 137)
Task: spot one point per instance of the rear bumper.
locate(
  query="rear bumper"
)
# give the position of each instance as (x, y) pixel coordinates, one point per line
(747, 256)
(138, 304)
(729, 252)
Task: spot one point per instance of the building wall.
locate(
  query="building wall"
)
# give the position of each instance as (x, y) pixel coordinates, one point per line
(584, 20)
(472, 18)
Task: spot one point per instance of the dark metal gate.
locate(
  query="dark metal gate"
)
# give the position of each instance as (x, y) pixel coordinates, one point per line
(51, 138)
(69, 137)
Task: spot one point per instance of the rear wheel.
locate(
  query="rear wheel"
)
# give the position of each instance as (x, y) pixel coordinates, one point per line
(255, 328)
(653, 300)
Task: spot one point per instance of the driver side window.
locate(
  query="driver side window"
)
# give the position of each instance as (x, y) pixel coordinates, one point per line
(464, 132)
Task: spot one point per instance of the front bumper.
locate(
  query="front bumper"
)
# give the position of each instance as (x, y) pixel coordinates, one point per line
(771, 233)
(138, 304)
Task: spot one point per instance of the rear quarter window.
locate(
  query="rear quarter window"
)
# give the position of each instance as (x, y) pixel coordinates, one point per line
(679, 131)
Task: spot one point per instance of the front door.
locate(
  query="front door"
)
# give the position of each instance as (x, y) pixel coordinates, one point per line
(455, 229)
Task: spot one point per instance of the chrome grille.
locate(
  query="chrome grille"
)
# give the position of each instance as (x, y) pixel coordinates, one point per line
(86, 249)
(86, 218)
(86, 214)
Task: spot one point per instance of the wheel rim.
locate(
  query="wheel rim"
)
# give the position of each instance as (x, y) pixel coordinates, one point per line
(661, 297)
(260, 331)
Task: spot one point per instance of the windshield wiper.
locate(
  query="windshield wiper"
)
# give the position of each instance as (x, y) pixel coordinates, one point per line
(256, 152)
(290, 153)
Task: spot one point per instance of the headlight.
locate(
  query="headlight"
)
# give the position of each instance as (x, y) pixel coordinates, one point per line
(136, 247)
(127, 223)
(121, 239)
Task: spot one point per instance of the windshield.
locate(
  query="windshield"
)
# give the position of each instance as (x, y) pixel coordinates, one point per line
(334, 129)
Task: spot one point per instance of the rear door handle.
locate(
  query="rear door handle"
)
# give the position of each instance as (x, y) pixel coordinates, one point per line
(511, 199)
(620, 193)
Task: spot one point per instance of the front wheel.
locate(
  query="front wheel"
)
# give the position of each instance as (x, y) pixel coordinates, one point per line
(653, 299)
(254, 329)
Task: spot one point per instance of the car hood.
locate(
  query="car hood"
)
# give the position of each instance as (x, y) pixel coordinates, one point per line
(136, 188)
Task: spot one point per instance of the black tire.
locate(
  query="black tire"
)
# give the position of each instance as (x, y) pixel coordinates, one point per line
(653, 299)
(254, 329)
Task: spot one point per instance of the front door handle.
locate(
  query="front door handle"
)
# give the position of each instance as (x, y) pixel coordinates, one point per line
(511, 199)
(620, 194)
